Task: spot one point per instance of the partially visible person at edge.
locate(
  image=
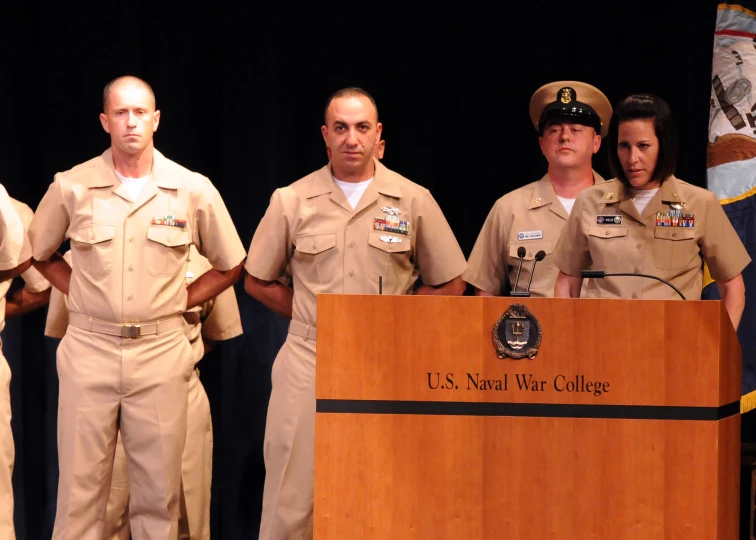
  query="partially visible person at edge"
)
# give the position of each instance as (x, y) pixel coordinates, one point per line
(648, 221)
(340, 229)
(570, 118)
(15, 259)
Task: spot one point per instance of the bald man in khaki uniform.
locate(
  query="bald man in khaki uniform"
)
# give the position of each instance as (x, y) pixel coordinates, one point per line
(570, 117)
(216, 320)
(131, 215)
(15, 255)
(637, 243)
(345, 228)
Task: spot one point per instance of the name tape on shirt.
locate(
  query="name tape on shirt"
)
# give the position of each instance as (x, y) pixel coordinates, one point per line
(611, 219)
(530, 235)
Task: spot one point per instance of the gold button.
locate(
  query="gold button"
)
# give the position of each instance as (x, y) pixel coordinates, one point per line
(538, 200)
(351, 272)
(131, 238)
(129, 297)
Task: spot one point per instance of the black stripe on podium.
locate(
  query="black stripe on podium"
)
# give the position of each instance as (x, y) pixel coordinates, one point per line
(548, 410)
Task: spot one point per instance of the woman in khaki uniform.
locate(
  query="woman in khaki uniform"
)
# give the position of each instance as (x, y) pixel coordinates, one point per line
(216, 320)
(335, 239)
(646, 221)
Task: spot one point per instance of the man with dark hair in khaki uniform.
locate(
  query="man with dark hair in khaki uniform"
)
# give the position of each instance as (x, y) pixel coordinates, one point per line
(15, 256)
(125, 362)
(570, 117)
(351, 227)
(216, 320)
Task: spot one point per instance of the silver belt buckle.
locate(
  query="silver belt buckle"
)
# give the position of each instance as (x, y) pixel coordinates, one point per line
(131, 331)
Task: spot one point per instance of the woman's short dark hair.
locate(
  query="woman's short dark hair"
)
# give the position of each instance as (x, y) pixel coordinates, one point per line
(645, 107)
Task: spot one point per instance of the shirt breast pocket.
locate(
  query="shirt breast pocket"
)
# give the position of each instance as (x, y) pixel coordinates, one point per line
(92, 249)
(675, 248)
(608, 246)
(531, 248)
(389, 257)
(316, 257)
(167, 249)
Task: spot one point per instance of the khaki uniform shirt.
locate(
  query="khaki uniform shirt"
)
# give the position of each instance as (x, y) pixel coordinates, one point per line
(331, 248)
(217, 319)
(15, 247)
(531, 217)
(130, 256)
(33, 280)
(606, 232)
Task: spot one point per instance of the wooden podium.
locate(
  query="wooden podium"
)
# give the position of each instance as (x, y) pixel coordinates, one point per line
(625, 424)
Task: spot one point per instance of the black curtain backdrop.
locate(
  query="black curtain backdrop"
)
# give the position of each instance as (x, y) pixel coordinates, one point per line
(242, 92)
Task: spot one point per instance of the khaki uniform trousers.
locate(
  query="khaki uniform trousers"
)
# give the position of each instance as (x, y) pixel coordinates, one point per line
(196, 475)
(7, 454)
(289, 448)
(145, 382)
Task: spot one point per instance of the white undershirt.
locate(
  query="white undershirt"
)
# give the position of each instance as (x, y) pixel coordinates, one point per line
(641, 198)
(567, 203)
(133, 185)
(354, 190)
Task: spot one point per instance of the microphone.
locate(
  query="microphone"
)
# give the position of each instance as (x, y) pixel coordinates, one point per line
(601, 274)
(538, 257)
(520, 253)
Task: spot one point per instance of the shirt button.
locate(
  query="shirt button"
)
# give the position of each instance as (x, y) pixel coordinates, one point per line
(639, 246)
(351, 272)
(131, 268)
(131, 238)
(351, 244)
(634, 295)
(674, 235)
(607, 233)
(129, 297)
(636, 270)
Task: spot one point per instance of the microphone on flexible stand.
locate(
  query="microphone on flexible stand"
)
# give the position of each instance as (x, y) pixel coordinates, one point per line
(538, 257)
(520, 253)
(601, 274)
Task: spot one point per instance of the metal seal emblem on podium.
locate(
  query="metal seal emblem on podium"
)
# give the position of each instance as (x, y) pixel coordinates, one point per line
(517, 333)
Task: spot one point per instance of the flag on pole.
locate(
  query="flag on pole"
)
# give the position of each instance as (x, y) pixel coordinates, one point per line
(731, 157)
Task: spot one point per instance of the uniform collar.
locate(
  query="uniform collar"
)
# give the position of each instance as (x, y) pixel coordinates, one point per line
(544, 193)
(322, 182)
(161, 172)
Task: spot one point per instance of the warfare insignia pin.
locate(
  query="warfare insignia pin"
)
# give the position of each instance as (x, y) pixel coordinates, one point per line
(391, 210)
(609, 195)
(390, 239)
(517, 333)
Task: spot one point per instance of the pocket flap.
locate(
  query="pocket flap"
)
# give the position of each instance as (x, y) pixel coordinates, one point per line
(675, 233)
(94, 234)
(610, 231)
(390, 243)
(312, 244)
(168, 236)
(531, 248)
